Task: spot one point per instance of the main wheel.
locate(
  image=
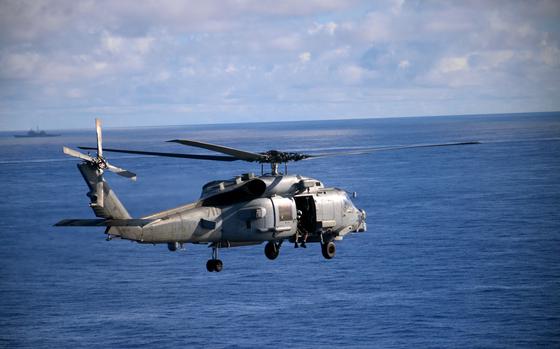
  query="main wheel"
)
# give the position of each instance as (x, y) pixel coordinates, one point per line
(218, 266)
(328, 249)
(210, 265)
(271, 250)
(173, 246)
(214, 265)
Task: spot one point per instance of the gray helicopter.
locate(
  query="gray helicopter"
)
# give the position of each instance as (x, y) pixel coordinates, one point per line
(245, 210)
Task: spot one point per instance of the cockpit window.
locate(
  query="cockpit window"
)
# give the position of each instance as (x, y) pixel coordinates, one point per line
(347, 203)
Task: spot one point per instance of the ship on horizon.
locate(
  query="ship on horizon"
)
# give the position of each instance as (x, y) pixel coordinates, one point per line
(36, 133)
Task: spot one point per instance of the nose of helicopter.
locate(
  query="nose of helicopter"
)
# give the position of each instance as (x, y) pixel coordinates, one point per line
(362, 226)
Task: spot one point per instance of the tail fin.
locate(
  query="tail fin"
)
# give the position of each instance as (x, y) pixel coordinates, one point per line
(104, 201)
(105, 204)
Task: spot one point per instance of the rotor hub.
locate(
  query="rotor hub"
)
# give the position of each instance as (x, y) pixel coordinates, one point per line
(275, 156)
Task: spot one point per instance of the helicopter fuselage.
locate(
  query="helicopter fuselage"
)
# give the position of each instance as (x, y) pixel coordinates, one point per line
(249, 210)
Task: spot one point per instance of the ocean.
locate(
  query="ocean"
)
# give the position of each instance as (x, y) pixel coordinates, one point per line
(462, 248)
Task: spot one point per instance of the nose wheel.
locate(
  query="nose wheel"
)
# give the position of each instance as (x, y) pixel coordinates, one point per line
(214, 264)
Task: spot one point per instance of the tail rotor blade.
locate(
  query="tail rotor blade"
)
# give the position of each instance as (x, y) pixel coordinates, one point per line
(121, 172)
(99, 137)
(99, 162)
(77, 154)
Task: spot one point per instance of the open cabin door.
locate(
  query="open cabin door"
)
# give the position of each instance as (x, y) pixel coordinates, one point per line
(308, 220)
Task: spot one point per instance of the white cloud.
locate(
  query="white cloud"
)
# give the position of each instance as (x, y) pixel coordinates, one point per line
(397, 6)
(316, 53)
(112, 44)
(230, 69)
(162, 76)
(304, 57)
(117, 45)
(328, 28)
(100, 66)
(289, 42)
(351, 74)
(75, 93)
(143, 45)
(550, 54)
(336, 55)
(188, 71)
(20, 65)
(452, 64)
(376, 27)
(404, 64)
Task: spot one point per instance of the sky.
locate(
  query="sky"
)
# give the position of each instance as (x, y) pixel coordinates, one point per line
(172, 62)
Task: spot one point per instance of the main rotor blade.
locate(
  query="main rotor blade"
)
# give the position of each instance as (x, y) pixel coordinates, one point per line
(171, 155)
(377, 149)
(77, 154)
(240, 154)
(121, 172)
(99, 137)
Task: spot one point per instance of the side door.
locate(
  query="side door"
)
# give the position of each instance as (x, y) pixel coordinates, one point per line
(285, 217)
(325, 207)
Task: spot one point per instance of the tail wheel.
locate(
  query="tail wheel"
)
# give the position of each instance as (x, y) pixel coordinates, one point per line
(271, 250)
(328, 249)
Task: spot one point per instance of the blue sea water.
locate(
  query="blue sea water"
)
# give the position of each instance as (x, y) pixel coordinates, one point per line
(462, 248)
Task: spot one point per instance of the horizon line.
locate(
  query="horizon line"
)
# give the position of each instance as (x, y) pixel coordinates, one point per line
(292, 121)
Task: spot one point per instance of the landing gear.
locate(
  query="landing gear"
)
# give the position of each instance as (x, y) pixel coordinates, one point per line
(214, 264)
(272, 249)
(328, 249)
(173, 246)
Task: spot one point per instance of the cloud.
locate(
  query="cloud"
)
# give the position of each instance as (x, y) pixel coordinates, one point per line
(233, 57)
(20, 65)
(452, 64)
(304, 57)
(404, 64)
(550, 55)
(230, 69)
(352, 74)
(288, 42)
(33, 20)
(328, 28)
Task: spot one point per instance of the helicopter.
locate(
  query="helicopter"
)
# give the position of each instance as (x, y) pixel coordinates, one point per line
(245, 210)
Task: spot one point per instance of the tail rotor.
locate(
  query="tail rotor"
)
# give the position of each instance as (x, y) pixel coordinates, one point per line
(99, 161)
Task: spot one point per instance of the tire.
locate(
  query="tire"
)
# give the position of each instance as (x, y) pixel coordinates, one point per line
(328, 249)
(210, 265)
(218, 266)
(271, 250)
(172, 246)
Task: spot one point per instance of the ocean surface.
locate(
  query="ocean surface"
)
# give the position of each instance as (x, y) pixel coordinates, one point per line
(462, 248)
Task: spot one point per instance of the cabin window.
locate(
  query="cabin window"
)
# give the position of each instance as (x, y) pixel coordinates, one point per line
(285, 211)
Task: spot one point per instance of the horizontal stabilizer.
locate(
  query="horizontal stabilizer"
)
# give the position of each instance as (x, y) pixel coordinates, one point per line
(104, 222)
